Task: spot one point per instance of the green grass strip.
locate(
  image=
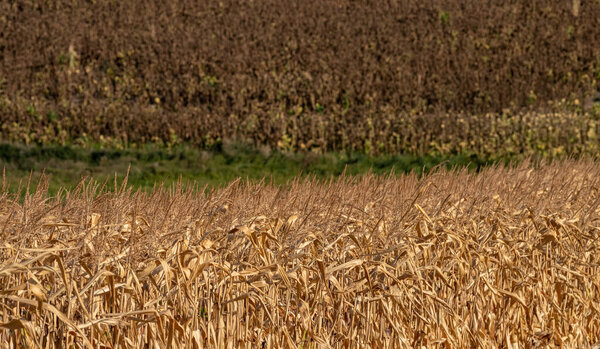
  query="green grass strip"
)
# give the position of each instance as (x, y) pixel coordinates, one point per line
(151, 165)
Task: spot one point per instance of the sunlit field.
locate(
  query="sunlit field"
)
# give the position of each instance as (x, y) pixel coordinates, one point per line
(502, 258)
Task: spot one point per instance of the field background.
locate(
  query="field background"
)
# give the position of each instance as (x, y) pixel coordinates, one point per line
(404, 76)
(211, 91)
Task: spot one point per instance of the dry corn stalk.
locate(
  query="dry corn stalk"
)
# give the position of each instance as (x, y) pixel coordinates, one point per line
(503, 258)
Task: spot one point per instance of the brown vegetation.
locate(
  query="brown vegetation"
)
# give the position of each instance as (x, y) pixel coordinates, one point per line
(290, 74)
(451, 259)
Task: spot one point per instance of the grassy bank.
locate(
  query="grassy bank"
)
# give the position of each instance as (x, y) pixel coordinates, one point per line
(67, 165)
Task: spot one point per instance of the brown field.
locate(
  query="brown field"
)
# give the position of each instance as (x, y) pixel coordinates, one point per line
(296, 74)
(504, 258)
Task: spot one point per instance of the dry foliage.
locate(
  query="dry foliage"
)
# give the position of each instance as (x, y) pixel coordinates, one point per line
(504, 258)
(296, 73)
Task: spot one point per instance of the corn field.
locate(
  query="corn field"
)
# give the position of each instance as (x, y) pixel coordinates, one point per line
(504, 258)
(321, 75)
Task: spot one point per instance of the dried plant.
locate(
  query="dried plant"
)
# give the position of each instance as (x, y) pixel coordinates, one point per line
(504, 258)
(325, 74)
